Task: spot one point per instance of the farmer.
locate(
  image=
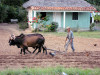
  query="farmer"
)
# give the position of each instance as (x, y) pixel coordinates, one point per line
(69, 39)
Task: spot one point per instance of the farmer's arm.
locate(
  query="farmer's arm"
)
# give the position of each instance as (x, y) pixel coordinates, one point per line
(65, 40)
(72, 37)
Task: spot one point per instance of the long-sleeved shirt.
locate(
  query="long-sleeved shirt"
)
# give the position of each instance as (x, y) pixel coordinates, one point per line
(70, 35)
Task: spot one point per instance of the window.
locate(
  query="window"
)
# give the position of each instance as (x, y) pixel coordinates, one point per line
(43, 14)
(75, 16)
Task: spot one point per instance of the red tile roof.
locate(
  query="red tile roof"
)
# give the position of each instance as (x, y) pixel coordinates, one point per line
(64, 8)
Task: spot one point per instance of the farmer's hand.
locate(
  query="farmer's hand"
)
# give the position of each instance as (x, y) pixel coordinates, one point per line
(65, 44)
(71, 41)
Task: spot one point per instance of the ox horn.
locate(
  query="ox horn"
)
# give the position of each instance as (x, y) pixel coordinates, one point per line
(12, 36)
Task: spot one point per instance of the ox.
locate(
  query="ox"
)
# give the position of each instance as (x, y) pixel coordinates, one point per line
(22, 41)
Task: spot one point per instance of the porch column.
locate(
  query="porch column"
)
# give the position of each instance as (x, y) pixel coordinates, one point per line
(34, 16)
(30, 18)
(93, 17)
(64, 18)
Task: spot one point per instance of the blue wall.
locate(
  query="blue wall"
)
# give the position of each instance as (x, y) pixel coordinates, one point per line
(50, 16)
(83, 21)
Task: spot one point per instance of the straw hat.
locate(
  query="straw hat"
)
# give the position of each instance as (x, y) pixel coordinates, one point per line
(67, 27)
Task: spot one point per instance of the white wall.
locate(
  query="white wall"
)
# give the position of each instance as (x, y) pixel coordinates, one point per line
(29, 15)
(57, 18)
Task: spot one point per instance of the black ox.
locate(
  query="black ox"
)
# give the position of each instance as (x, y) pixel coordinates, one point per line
(22, 41)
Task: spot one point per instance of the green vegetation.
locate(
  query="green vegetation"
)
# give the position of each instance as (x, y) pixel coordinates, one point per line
(93, 34)
(52, 27)
(97, 24)
(96, 3)
(23, 25)
(51, 71)
(98, 8)
(91, 26)
(97, 18)
(86, 34)
(12, 9)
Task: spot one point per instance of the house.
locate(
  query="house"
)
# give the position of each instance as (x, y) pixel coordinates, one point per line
(73, 13)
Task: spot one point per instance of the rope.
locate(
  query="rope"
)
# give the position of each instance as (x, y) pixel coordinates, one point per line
(54, 50)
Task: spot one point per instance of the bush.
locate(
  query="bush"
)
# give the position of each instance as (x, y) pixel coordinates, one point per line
(21, 14)
(91, 26)
(52, 27)
(23, 25)
(97, 18)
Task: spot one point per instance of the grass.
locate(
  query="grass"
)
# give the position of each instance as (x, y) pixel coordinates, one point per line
(51, 71)
(86, 34)
(97, 24)
(92, 34)
(23, 25)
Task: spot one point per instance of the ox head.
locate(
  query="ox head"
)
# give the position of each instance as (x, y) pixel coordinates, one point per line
(12, 40)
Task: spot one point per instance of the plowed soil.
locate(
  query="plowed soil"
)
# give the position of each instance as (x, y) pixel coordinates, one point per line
(86, 55)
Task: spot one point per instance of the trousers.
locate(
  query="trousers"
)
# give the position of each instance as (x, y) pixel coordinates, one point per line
(69, 43)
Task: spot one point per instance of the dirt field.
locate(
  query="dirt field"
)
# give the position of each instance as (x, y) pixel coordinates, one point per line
(86, 54)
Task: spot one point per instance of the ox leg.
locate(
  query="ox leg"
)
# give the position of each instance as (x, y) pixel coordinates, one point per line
(28, 50)
(24, 50)
(21, 51)
(39, 50)
(44, 49)
(35, 49)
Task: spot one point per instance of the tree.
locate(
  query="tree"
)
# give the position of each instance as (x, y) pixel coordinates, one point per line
(3, 12)
(94, 2)
(10, 9)
(13, 3)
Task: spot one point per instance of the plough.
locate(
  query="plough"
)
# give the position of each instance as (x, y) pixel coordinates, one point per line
(54, 50)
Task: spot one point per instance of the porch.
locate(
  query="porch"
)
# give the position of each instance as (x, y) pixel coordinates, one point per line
(73, 19)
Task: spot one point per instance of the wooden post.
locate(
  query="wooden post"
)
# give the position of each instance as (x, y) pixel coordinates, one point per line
(30, 20)
(64, 17)
(93, 17)
(34, 16)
